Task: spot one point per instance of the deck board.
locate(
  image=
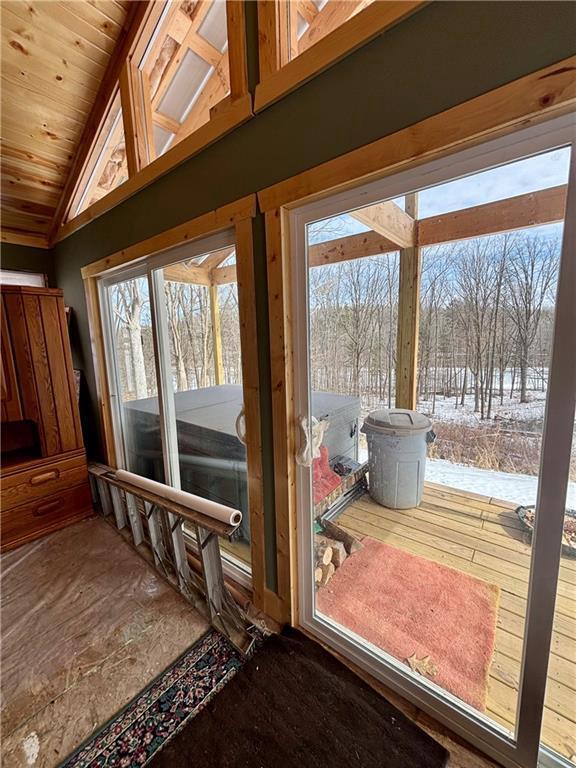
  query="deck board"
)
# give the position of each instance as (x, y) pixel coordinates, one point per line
(483, 537)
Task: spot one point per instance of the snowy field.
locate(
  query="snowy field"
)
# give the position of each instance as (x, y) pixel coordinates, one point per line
(518, 489)
(515, 488)
(511, 410)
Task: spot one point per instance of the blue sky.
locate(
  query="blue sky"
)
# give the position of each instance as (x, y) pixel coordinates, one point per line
(539, 172)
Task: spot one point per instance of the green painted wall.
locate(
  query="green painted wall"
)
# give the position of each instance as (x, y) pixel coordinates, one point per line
(21, 257)
(446, 54)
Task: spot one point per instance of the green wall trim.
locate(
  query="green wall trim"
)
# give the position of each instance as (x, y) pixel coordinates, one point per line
(442, 56)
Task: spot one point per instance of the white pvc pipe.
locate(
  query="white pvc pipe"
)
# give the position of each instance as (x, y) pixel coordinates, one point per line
(197, 503)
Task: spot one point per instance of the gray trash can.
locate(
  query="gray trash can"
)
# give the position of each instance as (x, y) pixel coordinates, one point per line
(397, 442)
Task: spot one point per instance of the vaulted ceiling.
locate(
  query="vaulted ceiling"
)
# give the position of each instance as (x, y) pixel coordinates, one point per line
(63, 123)
(54, 56)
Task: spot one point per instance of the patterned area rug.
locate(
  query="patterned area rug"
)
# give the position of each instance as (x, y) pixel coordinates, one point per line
(162, 709)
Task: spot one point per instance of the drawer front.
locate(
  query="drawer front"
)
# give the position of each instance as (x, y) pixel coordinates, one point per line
(22, 487)
(44, 515)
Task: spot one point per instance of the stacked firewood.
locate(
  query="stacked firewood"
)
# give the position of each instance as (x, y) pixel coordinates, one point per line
(330, 552)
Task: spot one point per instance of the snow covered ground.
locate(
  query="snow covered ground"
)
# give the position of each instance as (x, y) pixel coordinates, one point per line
(515, 488)
(511, 409)
(518, 489)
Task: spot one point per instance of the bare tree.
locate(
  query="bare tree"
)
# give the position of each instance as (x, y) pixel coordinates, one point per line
(128, 301)
(531, 274)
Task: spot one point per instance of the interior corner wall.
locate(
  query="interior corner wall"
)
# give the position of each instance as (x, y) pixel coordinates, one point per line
(445, 54)
(28, 259)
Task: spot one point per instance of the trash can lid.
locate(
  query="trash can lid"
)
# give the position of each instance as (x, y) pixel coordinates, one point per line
(396, 421)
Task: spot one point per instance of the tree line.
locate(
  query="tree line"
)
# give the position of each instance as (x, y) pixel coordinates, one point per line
(486, 320)
(189, 340)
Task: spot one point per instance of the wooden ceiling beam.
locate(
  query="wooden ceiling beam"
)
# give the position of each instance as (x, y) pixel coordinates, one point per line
(348, 248)
(204, 49)
(215, 89)
(389, 220)
(534, 209)
(223, 275)
(521, 212)
(332, 16)
(308, 10)
(173, 126)
(180, 273)
(215, 259)
(176, 60)
(141, 14)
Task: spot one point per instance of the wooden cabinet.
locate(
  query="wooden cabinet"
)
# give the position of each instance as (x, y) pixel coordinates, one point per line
(40, 353)
(11, 406)
(44, 480)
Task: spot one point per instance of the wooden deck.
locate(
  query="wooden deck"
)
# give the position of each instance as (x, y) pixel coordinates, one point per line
(483, 537)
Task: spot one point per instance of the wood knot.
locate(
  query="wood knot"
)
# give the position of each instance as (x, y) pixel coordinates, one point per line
(18, 47)
(546, 100)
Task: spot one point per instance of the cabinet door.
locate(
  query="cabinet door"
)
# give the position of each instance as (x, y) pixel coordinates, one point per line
(37, 368)
(11, 405)
(50, 352)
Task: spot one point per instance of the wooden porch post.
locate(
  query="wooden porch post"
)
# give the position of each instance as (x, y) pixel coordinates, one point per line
(408, 318)
(216, 334)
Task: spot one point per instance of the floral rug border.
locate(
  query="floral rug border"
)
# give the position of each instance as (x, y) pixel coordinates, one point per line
(153, 717)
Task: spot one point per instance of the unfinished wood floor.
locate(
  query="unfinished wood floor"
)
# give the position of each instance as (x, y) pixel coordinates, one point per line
(483, 537)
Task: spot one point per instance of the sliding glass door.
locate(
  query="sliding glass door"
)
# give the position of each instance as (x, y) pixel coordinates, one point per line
(434, 546)
(175, 367)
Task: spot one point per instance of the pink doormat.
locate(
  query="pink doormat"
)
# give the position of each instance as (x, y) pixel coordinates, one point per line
(436, 619)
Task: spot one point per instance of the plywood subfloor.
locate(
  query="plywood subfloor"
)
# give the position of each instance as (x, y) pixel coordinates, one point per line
(483, 537)
(86, 624)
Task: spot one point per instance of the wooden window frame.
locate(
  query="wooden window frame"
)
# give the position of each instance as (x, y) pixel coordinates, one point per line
(126, 78)
(237, 215)
(279, 75)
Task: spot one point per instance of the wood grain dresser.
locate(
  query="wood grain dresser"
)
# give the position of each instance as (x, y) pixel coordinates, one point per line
(43, 475)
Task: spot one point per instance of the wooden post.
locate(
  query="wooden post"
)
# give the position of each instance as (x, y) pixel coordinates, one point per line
(216, 334)
(238, 67)
(133, 117)
(408, 318)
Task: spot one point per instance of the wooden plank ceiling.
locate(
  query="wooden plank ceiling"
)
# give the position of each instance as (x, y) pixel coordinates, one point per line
(54, 56)
(58, 59)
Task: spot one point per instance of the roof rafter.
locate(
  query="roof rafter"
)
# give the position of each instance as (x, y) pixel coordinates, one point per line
(389, 220)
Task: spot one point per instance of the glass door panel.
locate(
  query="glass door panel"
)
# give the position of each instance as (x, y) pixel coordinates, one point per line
(559, 723)
(415, 549)
(199, 339)
(134, 376)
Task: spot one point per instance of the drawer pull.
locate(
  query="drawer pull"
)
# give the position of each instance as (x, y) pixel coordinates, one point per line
(45, 477)
(45, 509)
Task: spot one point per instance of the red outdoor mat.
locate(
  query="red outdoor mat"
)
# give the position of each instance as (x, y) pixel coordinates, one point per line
(436, 619)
